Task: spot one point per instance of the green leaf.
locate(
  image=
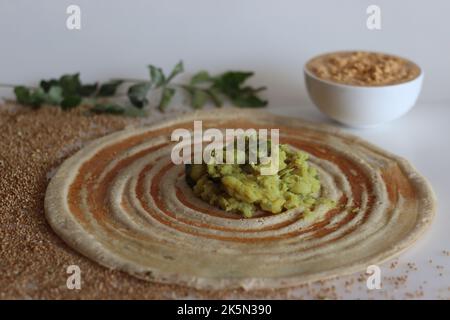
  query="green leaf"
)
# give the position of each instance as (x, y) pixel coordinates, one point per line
(249, 101)
(54, 95)
(37, 97)
(117, 109)
(179, 68)
(47, 84)
(200, 77)
(215, 97)
(109, 88)
(138, 94)
(70, 83)
(87, 90)
(230, 82)
(22, 95)
(166, 97)
(157, 76)
(200, 96)
(70, 102)
(110, 108)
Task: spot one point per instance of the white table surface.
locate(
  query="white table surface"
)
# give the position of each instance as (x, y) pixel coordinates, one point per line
(421, 136)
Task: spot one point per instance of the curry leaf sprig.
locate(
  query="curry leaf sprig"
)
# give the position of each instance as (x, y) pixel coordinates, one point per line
(204, 87)
(68, 91)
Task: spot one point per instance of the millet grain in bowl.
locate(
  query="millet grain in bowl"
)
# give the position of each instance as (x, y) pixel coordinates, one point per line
(362, 68)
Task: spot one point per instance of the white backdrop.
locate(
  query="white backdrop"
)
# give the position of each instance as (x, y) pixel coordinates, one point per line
(273, 38)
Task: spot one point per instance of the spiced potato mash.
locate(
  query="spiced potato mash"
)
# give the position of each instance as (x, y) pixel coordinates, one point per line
(241, 188)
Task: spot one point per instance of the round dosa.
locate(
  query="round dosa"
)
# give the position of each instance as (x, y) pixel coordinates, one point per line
(122, 202)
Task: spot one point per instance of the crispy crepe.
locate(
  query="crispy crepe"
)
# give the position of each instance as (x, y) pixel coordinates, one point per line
(123, 203)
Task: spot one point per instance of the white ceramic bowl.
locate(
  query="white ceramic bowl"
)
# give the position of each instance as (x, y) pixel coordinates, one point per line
(362, 106)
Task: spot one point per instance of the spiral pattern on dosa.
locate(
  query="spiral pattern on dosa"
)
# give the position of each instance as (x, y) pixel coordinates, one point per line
(123, 203)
